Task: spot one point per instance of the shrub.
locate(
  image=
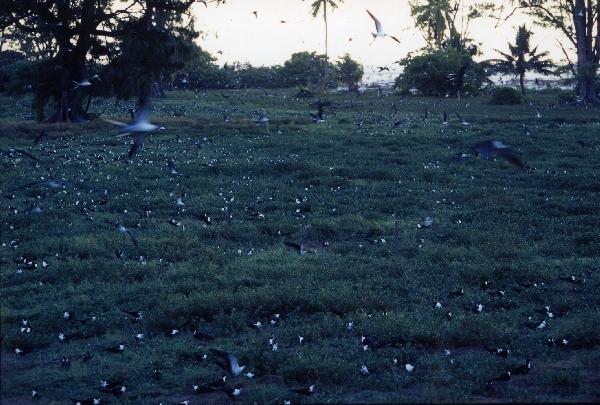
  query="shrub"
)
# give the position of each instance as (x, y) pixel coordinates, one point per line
(350, 72)
(506, 96)
(306, 69)
(566, 97)
(436, 73)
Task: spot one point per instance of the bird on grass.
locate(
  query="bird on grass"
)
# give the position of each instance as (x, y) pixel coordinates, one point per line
(318, 117)
(553, 342)
(90, 401)
(136, 316)
(462, 120)
(53, 184)
(492, 148)
(172, 168)
(197, 334)
(210, 386)
(232, 392)
(22, 351)
(499, 351)
(304, 390)
(504, 377)
(522, 369)
(228, 362)
(299, 247)
(118, 349)
(572, 279)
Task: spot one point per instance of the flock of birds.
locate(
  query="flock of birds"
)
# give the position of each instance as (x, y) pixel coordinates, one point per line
(138, 129)
(142, 127)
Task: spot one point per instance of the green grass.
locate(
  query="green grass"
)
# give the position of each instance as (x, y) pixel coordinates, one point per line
(356, 182)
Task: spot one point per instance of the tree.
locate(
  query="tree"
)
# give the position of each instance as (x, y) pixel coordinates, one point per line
(447, 22)
(442, 72)
(304, 69)
(522, 58)
(349, 71)
(68, 31)
(579, 21)
(65, 34)
(316, 6)
(431, 18)
(153, 48)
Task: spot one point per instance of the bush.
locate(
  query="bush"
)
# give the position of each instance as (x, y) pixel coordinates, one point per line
(435, 73)
(566, 97)
(350, 72)
(9, 64)
(506, 96)
(306, 69)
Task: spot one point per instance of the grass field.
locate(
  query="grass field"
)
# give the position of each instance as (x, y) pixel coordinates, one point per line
(354, 190)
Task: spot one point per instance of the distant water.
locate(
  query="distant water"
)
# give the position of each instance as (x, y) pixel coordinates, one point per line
(373, 77)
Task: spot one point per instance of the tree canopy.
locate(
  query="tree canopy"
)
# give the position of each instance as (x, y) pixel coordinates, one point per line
(522, 58)
(66, 35)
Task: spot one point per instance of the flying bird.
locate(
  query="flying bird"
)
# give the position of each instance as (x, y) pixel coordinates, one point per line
(493, 148)
(394, 38)
(139, 128)
(228, 362)
(83, 83)
(123, 229)
(379, 29)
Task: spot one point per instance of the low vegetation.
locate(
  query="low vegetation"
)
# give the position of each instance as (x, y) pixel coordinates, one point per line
(356, 191)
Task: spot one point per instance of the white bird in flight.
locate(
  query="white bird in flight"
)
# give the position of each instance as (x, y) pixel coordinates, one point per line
(83, 83)
(379, 29)
(139, 128)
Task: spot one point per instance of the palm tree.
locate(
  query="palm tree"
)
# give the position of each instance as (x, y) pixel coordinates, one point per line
(432, 17)
(315, 8)
(522, 59)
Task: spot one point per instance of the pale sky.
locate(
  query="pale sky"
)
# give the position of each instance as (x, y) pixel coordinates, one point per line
(233, 29)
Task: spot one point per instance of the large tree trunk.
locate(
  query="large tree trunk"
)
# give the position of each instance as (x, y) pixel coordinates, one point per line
(71, 59)
(587, 58)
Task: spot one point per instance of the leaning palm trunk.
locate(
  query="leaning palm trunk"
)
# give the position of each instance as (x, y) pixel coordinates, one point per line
(326, 68)
(522, 83)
